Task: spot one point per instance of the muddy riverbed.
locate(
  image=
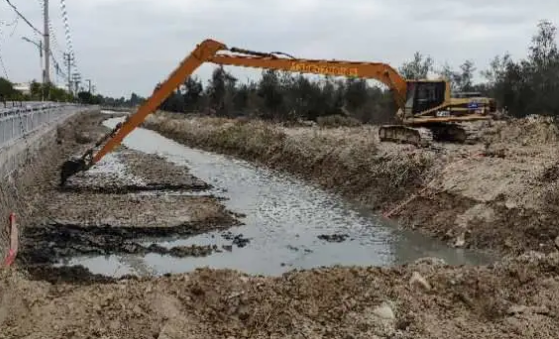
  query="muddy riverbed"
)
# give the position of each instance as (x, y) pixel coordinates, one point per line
(287, 224)
(154, 207)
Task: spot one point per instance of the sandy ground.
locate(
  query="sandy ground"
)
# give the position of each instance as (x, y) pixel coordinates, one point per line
(514, 298)
(495, 195)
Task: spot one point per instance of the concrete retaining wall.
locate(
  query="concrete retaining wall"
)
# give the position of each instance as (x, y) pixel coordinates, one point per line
(24, 158)
(21, 129)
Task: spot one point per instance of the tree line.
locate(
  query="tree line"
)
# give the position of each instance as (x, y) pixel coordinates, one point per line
(37, 92)
(523, 87)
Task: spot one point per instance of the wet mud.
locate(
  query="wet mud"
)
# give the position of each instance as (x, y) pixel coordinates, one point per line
(50, 243)
(125, 205)
(333, 237)
(239, 240)
(75, 275)
(126, 211)
(128, 171)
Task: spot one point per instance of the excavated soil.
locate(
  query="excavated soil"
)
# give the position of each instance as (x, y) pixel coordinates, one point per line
(515, 299)
(143, 172)
(497, 195)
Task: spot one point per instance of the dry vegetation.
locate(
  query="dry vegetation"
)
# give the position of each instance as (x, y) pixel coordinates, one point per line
(492, 195)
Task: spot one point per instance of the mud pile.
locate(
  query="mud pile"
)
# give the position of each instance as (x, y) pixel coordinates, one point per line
(491, 195)
(516, 299)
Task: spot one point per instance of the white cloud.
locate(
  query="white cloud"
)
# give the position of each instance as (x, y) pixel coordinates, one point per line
(130, 45)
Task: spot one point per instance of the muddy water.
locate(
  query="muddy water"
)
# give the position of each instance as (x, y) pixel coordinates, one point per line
(284, 219)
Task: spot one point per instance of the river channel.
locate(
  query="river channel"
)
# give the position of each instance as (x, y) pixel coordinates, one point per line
(284, 219)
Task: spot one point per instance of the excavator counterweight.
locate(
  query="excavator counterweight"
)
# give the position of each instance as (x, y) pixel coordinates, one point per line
(427, 111)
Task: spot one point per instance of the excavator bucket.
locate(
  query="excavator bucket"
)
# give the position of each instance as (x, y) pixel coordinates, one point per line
(70, 168)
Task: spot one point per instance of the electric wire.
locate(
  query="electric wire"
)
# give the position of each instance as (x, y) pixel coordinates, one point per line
(16, 10)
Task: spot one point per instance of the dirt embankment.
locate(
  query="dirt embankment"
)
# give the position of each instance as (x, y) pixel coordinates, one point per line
(497, 194)
(514, 299)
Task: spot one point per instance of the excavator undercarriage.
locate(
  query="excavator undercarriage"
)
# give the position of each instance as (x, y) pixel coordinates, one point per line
(423, 135)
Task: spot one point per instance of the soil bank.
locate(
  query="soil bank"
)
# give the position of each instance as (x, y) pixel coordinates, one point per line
(515, 299)
(21, 192)
(498, 194)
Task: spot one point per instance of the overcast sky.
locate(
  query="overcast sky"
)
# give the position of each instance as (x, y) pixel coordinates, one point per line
(130, 45)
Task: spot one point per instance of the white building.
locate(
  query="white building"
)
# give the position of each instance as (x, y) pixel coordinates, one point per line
(23, 87)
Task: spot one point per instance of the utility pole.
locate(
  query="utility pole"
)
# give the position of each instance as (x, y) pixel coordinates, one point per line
(77, 79)
(68, 61)
(89, 85)
(46, 77)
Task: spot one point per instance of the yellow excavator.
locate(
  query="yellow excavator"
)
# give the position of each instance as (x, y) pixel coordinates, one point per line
(427, 111)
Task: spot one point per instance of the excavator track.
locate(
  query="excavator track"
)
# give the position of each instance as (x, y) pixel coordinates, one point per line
(418, 136)
(463, 133)
(473, 131)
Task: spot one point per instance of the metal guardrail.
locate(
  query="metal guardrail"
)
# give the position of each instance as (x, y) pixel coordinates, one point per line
(20, 120)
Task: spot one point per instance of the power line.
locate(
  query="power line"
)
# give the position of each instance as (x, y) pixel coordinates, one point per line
(24, 18)
(67, 31)
(4, 67)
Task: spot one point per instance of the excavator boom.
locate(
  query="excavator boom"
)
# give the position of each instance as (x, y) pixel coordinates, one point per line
(349, 69)
(201, 54)
(207, 51)
(423, 96)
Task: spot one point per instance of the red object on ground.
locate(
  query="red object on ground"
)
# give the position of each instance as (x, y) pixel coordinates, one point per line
(13, 235)
(10, 258)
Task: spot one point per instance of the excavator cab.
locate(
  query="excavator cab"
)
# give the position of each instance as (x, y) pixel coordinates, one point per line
(424, 95)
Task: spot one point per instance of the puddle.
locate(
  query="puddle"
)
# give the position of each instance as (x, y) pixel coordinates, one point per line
(284, 219)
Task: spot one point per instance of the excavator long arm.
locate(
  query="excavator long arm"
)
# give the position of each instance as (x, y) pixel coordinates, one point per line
(201, 54)
(207, 51)
(366, 70)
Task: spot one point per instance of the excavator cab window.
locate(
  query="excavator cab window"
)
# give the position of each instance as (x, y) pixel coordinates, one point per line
(424, 95)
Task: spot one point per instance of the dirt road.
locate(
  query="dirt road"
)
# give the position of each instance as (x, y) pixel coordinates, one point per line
(515, 298)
